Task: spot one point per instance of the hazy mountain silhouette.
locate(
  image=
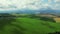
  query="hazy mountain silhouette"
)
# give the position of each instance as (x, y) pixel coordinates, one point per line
(46, 11)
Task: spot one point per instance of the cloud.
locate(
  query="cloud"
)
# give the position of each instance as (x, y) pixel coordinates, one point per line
(29, 4)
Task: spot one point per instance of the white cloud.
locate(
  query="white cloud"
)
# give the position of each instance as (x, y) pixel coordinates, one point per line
(27, 4)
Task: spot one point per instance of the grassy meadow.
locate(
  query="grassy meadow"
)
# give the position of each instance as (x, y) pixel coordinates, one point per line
(27, 24)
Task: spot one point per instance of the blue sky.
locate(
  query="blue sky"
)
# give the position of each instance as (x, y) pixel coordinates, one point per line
(29, 4)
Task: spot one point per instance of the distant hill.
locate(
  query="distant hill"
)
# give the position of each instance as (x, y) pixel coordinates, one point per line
(47, 11)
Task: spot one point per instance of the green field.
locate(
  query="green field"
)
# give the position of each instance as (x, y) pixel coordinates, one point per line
(26, 25)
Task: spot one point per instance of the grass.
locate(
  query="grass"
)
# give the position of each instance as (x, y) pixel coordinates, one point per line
(25, 25)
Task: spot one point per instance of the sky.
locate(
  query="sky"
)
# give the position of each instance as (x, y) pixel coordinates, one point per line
(29, 4)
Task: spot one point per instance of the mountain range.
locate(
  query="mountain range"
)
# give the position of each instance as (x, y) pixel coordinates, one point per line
(48, 11)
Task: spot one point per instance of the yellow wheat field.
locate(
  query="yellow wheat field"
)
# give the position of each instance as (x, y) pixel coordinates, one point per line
(57, 19)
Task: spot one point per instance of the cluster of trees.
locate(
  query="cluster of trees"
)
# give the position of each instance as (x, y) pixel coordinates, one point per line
(43, 18)
(4, 20)
(54, 33)
(47, 19)
(7, 19)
